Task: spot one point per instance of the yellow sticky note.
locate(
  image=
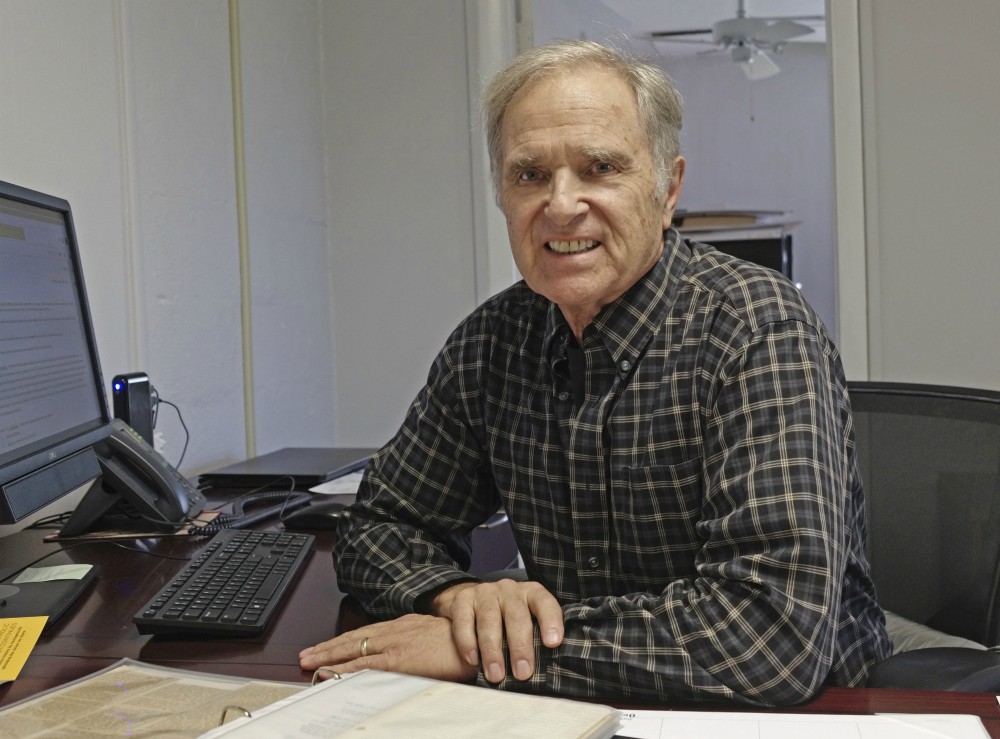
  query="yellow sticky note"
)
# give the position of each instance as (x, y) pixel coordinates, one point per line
(17, 638)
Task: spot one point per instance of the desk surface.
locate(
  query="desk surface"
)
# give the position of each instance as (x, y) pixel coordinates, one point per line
(98, 630)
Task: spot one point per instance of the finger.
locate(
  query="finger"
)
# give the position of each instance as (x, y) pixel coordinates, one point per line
(549, 615)
(520, 632)
(463, 628)
(338, 651)
(489, 629)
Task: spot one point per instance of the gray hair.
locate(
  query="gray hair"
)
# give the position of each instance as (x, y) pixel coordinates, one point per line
(657, 99)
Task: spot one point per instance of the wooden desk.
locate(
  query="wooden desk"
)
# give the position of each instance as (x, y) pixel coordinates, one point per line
(98, 630)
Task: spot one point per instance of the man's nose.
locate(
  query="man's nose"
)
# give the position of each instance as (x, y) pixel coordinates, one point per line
(566, 200)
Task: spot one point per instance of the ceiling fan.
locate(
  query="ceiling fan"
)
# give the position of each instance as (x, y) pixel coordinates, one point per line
(746, 38)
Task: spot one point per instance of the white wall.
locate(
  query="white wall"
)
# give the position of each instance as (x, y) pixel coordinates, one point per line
(180, 179)
(291, 264)
(399, 181)
(932, 159)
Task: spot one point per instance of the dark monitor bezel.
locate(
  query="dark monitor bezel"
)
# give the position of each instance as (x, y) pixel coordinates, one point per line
(745, 246)
(49, 450)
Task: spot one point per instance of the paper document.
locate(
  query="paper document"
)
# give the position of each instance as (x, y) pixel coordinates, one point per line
(133, 698)
(378, 705)
(17, 638)
(725, 725)
(344, 485)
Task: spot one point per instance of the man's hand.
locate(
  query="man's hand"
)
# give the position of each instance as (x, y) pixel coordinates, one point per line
(481, 613)
(414, 644)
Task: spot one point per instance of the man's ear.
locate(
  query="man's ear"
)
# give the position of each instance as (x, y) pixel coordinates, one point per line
(673, 193)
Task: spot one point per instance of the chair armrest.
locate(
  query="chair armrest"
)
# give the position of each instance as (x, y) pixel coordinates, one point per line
(939, 668)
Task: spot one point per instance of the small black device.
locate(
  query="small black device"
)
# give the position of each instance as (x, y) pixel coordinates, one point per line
(132, 402)
(43, 597)
(233, 587)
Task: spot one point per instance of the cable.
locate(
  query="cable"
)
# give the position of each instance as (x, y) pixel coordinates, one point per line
(287, 501)
(187, 434)
(155, 401)
(54, 521)
(239, 518)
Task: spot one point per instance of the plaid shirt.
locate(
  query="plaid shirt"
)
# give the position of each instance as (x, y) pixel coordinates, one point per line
(699, 512)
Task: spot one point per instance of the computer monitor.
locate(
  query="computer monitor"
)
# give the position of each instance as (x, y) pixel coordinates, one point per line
(771, 251)
(52, 402)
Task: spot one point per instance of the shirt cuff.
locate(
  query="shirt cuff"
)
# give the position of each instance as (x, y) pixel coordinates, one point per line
(407, 594)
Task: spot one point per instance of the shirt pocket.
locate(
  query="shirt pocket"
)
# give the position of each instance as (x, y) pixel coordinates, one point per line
(656, 510)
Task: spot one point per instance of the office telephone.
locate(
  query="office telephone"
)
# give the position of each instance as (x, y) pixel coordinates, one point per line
(137, 487)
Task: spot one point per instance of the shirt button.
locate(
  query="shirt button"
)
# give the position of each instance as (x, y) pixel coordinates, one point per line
(593, 562)
(625, 366)
(564, 395)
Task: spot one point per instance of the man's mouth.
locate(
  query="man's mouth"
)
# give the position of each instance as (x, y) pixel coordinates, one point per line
(572, 247)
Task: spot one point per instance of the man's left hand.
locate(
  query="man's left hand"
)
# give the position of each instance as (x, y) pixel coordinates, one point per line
(413, 644)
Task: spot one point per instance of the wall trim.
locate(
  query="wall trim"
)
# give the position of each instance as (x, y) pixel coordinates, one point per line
(849, 186)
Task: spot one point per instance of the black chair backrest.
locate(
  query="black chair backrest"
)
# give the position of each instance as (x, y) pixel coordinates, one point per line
(930, 461)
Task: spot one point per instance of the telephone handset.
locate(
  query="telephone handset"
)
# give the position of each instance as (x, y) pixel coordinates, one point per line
(136, 481)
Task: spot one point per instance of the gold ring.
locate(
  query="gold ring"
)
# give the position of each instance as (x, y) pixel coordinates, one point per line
(364, 647)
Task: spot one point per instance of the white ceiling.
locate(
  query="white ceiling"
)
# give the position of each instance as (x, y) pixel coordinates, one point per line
(644, 16)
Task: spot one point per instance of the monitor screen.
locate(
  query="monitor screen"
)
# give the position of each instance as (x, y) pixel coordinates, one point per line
(52, 402)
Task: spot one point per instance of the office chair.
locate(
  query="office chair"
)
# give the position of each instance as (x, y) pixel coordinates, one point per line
(930, 461)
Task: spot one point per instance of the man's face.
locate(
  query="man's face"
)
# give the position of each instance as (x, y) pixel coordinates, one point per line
(578, 189)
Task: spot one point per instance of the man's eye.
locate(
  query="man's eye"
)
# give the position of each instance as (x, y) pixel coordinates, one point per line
(529, 175)
(603, 168)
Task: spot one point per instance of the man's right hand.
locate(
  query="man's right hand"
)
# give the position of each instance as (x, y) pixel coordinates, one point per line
(481, 613)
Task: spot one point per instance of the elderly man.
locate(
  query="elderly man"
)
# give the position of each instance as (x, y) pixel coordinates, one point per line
(667, 428)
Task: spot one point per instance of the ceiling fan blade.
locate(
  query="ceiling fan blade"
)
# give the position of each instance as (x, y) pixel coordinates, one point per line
(699, 41)
(734, 30)
(671, 35)
(779, 31)
(759, 66)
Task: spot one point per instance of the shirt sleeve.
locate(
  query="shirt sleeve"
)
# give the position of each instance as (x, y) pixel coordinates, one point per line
(420, 496)
(757, 620)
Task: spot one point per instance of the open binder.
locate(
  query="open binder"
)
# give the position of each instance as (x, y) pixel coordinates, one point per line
(375, 704)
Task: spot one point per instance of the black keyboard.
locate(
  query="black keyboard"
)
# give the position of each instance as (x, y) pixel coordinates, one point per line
(232, 587)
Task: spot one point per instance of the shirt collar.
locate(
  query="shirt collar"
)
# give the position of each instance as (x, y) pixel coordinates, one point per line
(626, 325)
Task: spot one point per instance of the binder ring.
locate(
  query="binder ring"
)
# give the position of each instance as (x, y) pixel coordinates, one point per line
(227, 709)
(326, 670)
